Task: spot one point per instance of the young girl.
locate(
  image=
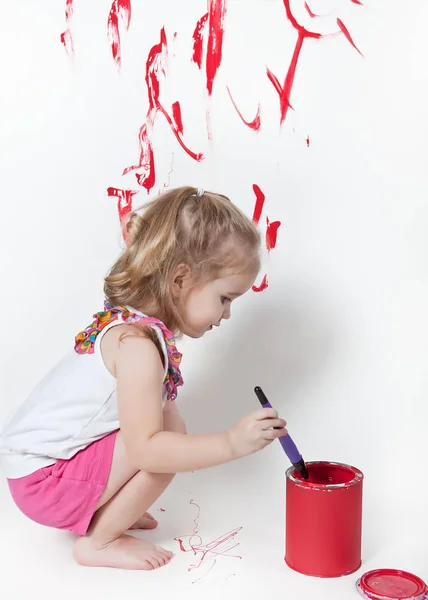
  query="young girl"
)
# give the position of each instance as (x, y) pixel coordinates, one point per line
(100, 438)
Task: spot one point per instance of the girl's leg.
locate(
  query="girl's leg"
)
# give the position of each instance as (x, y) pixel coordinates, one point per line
(128, 495)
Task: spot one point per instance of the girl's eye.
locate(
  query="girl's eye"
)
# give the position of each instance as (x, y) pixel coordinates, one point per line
(224, 299)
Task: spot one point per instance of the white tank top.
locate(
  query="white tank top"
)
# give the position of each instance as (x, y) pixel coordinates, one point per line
(73, 406)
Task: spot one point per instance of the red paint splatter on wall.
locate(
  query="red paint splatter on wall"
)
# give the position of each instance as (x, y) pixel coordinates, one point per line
(156, 65)
(308, 10)
(271, 230)
(198, 40)
(147, 158)
(260, 200)
(207, 553)
(66, 37)
(213, 56)
(284, 91)
(120, 9)
(124, 205)
(256, 122)
(308, 141)
(357, 2)
(217, 13)
(346, 33)
(263, 286)
(176, 113)
(271, 233)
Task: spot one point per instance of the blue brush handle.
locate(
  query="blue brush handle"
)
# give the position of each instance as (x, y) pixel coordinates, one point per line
(287, 444)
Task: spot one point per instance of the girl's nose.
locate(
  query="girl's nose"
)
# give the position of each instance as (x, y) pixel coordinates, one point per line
(226, 313)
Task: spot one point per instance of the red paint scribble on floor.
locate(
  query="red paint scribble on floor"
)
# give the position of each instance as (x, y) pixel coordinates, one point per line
(346, 33)
(66, 37)
(207, 553)
(256, 122)
(198, 37)
(155, 66)
(284, 90)
(120, 9)
(124, 205)
(216, 15)
(271, 231)
(308, 141)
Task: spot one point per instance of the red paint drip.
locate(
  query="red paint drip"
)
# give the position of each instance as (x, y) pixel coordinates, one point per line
(207, 553)
(198, 40)
(308, 141)
(255, 123)
(66, 37)
(308, 10)
(120, 9)
(357, 2)
(124, 205)
(271, 231)
(217, 13)
(155, 65)
(346, 33)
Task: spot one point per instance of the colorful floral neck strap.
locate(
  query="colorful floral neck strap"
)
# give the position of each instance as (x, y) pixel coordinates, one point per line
(85, 340)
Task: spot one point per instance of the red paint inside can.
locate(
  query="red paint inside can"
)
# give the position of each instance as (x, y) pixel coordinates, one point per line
(324, 520)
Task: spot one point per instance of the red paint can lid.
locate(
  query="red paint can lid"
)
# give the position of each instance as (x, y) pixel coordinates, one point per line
(392, 584)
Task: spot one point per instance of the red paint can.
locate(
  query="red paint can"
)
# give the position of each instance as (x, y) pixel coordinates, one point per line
(324, 519)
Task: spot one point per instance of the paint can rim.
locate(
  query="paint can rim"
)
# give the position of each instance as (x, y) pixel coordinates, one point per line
(366, 586)
(358, 476)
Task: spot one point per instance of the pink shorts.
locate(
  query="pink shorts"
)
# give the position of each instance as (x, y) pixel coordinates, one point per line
(65, 494)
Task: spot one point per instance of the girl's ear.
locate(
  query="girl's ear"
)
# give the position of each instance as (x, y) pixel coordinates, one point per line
(181, 280)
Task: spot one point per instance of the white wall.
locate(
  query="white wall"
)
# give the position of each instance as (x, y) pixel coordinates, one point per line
(339, 339)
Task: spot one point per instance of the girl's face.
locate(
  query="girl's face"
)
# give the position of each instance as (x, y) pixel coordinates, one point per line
(204, 306)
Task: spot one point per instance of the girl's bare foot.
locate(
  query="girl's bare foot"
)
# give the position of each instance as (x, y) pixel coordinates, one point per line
(145, 522)
(126, 552)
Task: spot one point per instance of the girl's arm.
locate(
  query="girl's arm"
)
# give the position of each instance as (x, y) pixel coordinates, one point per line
(139, 374)
(172, 420)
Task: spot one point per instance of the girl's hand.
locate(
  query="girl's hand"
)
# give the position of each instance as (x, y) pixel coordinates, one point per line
(256, 431)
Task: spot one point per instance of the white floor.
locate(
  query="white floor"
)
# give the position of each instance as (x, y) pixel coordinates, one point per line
(36, 562)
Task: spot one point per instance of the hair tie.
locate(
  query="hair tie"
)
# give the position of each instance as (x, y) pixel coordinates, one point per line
(200, 192)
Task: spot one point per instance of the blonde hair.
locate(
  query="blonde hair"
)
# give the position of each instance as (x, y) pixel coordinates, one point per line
(203, 230)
